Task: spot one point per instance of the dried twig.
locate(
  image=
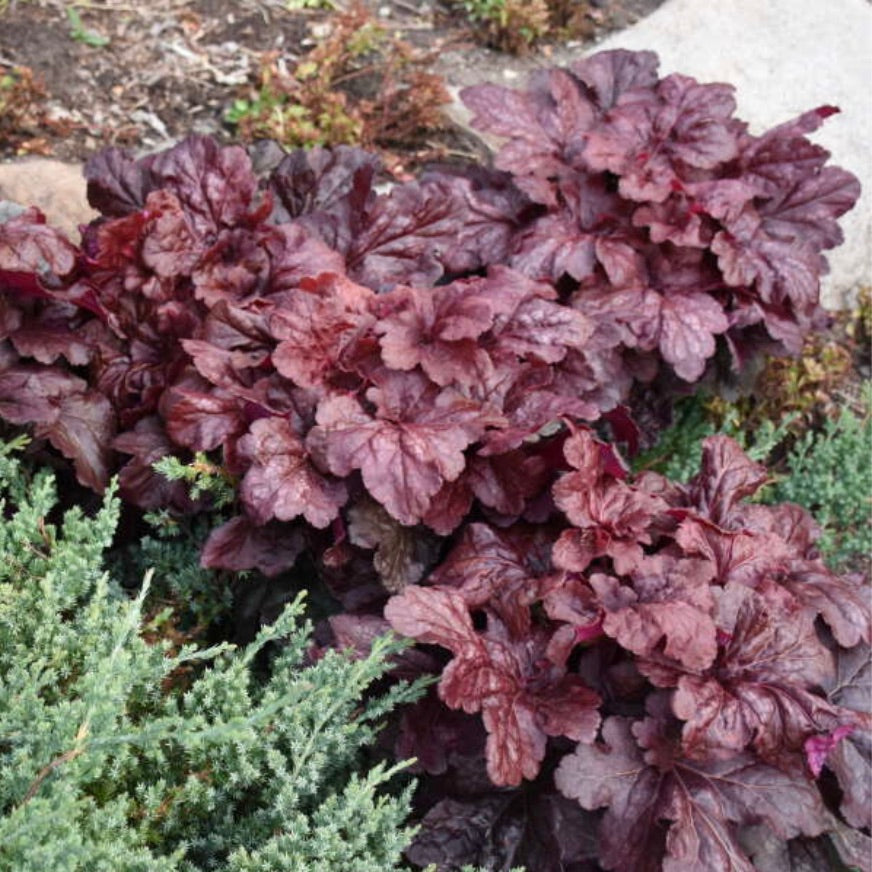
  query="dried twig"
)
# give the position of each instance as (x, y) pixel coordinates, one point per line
(46, 770)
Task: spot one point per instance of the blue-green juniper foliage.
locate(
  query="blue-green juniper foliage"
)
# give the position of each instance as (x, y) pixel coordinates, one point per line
(117, 753)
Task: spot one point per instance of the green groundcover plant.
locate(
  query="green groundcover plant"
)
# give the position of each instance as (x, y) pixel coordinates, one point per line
(830, 474)
(113, 757)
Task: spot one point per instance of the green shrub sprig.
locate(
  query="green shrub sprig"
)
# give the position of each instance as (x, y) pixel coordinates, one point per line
(106, 764)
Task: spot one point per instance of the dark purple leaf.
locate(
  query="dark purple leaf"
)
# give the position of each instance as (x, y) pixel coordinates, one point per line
(402, 554)
(215, 184)
(329, 181)
(808, 211)
(545, 125)
(615, 776)
(497, 569)
(138, 482)
(29, 245)
(118, 183)
(82, 432)
(453, 831)
(507, 481)
(55, 332)
(402, 238)
(661, 811)
(170, 245)
(776, 161)
(320, 325)
(669, 602)
(521, 699)
(726, 476)
(653, 137)
(238, 545)
(610, 73)
(440, 738)
(234, 267)
(580, 235)
(687, 327)
(296, 254)
(438, 330)
(78, 421)
(842, 602)
(851, 758)
(200, 416)
(737, 556)
(761, 691)
(493, 209)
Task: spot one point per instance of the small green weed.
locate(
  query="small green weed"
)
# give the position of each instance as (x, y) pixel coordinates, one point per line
(82, 34)
(358, 86)
(516, 25)
(298, 5)
(509, 25)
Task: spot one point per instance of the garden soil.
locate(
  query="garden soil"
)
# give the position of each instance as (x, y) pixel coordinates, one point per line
(142, 75)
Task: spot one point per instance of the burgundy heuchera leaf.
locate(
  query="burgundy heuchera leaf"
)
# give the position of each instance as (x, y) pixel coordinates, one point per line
(489, 673)
(657, 806)
(318, 325)
(281, 482)
(238, 545)
(670, 601)
(78, 421)
(409, 450)
(761, 692)
(402, 554)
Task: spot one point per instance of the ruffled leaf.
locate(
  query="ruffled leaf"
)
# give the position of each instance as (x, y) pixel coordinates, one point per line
(281, 482)
(409, 450)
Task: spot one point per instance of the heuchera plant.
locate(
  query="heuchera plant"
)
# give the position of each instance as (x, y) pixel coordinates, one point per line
(400, 383)
(692, 644)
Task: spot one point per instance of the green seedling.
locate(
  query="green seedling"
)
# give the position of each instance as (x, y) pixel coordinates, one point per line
(299, 5)
(82, 34)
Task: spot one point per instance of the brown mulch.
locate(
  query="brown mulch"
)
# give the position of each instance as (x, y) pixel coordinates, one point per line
(143, 75)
